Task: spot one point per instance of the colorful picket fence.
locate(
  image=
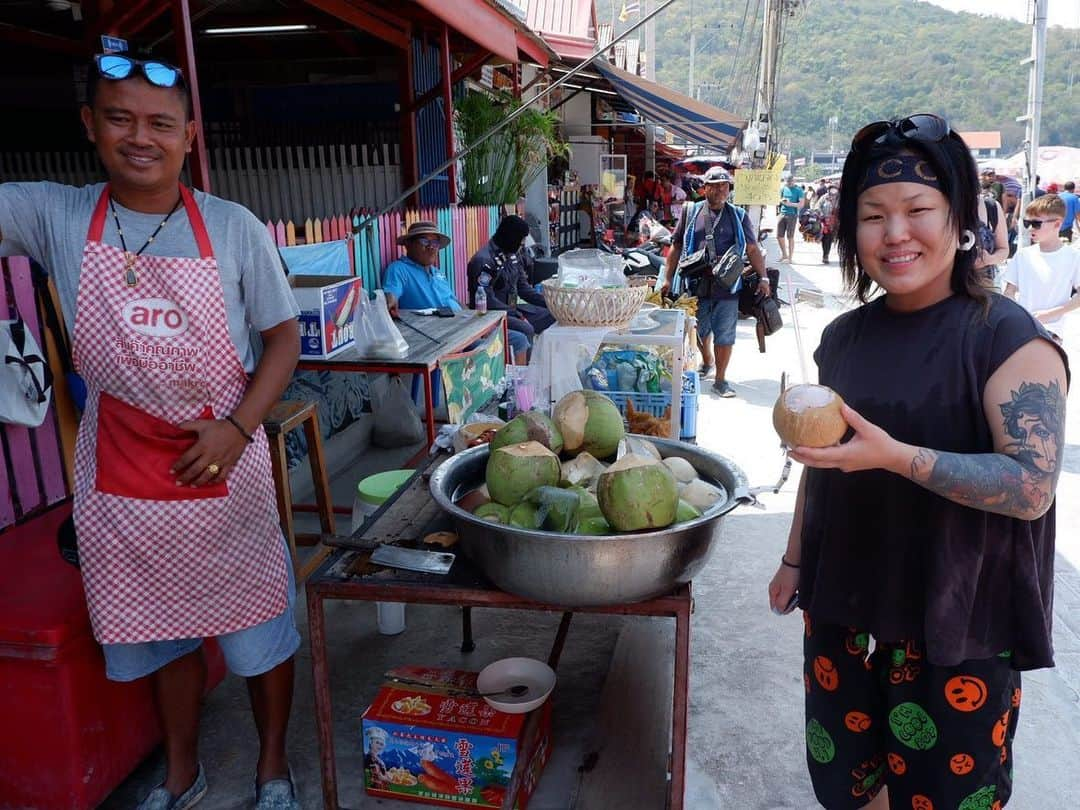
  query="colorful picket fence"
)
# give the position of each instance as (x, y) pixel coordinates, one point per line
(375, 240)
(32, 472)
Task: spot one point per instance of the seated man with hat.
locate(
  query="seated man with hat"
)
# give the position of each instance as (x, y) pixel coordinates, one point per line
(412, 283)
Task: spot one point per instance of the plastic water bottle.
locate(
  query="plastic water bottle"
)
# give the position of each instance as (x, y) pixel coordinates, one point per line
(481, 300)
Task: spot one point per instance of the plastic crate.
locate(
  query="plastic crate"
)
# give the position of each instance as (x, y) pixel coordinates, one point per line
(655, 404)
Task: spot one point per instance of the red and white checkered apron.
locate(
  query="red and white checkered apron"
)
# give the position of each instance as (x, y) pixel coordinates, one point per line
(175, 568)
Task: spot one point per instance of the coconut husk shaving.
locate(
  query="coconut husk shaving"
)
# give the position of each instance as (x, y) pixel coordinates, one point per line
(645, 424)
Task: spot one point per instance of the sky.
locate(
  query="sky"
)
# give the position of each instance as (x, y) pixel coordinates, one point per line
(1060, 12)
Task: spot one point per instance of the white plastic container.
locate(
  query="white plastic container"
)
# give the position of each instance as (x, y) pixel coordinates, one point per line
(371, 493)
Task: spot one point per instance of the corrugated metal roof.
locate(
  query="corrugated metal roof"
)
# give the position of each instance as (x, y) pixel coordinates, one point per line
(568, 26)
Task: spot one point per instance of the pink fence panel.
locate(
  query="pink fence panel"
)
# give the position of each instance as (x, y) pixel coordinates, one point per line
(33, 454)
(279, 234)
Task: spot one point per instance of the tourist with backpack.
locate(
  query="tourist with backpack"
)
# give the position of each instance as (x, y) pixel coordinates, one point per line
(713, 226)
(992, 240)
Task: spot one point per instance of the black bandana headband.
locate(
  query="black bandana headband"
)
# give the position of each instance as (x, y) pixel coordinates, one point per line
(899, 169)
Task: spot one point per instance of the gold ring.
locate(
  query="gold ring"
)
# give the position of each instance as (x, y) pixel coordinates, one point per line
(213, 469)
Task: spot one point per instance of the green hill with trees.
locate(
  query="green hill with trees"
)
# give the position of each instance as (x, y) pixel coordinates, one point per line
(865, 60)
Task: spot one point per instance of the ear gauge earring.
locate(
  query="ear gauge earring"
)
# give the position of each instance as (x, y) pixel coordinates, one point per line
(967, 242)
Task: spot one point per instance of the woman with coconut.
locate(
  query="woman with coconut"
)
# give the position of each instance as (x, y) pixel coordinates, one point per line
(922, 548)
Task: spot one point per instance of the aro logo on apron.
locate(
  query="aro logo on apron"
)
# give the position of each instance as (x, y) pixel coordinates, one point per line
(155, 317)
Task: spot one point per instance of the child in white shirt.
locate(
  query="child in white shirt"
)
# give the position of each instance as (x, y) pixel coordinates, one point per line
(1043, 277)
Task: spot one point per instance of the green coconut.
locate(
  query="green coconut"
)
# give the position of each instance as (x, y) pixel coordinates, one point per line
(638, 493)
(593, 525)
(526, 515)
(686, 511)
(589, 422)
(517, 469)
(531, 426)
(495, 512)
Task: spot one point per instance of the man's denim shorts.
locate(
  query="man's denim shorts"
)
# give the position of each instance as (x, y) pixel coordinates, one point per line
(248, 652)
(718, 317)
(519, 341)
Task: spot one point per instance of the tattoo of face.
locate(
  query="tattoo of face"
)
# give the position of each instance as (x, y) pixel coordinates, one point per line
(1035, 419)
(1017, 481)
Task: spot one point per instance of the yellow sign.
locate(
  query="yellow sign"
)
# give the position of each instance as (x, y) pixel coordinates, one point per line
(757, 186)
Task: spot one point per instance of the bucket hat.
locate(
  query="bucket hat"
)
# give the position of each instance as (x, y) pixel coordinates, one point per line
(424, 227)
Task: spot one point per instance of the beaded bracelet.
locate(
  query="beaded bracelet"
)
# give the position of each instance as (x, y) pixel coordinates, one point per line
(783, 561)
(239, 427)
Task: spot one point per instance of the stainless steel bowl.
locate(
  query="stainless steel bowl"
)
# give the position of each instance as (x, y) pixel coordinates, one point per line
(578, 571)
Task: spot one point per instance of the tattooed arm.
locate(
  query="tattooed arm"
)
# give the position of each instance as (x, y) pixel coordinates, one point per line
(1024, 404)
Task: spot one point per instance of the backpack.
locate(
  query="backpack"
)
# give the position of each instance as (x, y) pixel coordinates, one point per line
(987, 237)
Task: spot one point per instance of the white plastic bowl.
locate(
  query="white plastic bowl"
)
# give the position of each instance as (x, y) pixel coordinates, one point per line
(509, 672)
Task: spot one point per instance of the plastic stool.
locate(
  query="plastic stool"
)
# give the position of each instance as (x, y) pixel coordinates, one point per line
(285, 416)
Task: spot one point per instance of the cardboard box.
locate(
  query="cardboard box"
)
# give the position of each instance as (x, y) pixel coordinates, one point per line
(327, 305)
(433, 744)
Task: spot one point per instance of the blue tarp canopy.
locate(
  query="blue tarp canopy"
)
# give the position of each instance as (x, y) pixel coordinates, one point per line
(697, 122)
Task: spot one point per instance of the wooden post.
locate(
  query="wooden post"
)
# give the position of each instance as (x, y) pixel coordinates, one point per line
(448, 109)
(185, 48)
(410, 171)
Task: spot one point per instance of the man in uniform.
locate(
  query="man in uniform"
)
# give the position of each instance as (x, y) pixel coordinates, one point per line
(718, 309)
(174, 504)
(501, 268)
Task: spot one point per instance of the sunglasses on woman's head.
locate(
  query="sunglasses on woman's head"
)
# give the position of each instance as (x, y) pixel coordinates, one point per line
(925, 127)
(117, 67)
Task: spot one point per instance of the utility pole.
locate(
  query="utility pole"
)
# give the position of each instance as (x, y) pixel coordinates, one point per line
(650, 74)
(762, 120)
(1036, 66)
(693, 53)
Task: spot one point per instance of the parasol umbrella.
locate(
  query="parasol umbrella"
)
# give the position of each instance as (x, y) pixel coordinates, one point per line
(699, 164)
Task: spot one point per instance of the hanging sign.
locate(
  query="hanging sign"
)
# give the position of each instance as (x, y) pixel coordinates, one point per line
(757, 186)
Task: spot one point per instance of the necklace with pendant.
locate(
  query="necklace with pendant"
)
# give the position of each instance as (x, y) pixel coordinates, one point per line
(131, 278)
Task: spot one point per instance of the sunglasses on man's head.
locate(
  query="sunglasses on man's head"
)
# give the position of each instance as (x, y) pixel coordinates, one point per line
(925, 127)
(427, 242)
(117, 67)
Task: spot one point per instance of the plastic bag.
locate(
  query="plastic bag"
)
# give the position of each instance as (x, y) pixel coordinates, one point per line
(397, 424)
(25, 378)
(591, 269)
(376, 335)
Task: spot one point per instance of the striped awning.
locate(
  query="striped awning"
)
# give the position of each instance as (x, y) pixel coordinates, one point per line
(697, 122)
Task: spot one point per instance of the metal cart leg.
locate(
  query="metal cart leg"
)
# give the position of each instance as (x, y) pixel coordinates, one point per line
(323, 713)
(679, 706)
(467, 645)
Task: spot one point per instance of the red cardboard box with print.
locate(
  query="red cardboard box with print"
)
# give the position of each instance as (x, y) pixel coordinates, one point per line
(434, 744)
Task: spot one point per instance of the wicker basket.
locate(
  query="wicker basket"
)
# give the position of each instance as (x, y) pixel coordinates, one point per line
(577, 306)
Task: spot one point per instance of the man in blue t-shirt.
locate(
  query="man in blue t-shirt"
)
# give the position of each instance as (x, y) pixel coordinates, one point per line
(413, 281)
(1072, 208)
(791, 200)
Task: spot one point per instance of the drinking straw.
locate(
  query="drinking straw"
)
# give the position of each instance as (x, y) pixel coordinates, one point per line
(792, 302)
